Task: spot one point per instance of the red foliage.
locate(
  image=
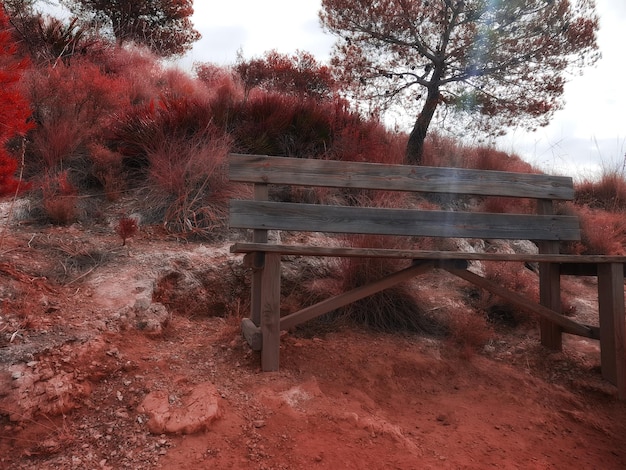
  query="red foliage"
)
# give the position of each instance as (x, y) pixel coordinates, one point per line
(278, 124)
(445, 151)
(14, 109)
(300, 75)
(60, 198)
(602, 232)
(608, 193)
(72, 105)
(126, 228)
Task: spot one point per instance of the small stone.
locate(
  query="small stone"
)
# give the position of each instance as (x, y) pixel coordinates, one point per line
(259, 423)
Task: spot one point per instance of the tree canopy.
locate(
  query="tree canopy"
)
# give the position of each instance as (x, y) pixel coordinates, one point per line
(503, 61)
(162, 25)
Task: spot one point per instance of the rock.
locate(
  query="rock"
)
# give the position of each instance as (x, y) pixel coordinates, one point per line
(252, 334)
(193, 413)
(142, 303)
(151, 319)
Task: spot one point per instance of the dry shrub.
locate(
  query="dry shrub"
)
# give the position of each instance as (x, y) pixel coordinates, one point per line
(275, 124)
(515, 277)
(60, 199)
(609, 193)
(226, 93)
(61, 210)
(126, 228)
(509, 205)
(188, 185)
(360, 140)
(280, 124)
(602, 232)
(72, 106)
(519, 279)
(393, 309)
(176, 158)
(486, 158)
(441, 150)
(446, 151)
(107, 169)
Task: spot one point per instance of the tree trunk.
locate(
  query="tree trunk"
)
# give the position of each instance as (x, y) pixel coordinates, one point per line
(415, 146)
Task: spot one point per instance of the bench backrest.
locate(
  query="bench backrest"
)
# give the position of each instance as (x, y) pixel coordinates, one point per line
(269, 215)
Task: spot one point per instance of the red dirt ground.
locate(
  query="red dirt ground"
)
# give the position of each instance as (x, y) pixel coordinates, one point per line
(82, 347)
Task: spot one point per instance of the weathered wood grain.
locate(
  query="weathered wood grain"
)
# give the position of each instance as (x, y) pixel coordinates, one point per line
(338, 174)
(403, 222)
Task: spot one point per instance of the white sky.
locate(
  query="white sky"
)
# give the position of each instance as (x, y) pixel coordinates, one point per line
(585, 137)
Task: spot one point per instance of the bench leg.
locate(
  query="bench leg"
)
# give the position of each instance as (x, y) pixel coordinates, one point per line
(611, 308)
(250, 327)
(255, 299)
(270, 312)
(550, 297)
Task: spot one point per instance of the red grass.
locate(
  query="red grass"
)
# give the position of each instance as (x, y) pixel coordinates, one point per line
(504, 205)
(445, 151)
(60, 199)
(609, 193)
(72, 106)
(602, 232)
(107, 169)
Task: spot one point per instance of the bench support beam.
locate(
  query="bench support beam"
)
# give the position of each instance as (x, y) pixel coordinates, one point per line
(563, 322)
(359, 293)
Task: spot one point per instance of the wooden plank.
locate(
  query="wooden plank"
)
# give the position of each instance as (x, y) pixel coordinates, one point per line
(612, 336)
(270, 313)
(328, 305)
(347, 252)
(568, 325)
(338, 174)
(403, 222)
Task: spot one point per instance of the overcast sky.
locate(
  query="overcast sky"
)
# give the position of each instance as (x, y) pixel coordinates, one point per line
(585, 137)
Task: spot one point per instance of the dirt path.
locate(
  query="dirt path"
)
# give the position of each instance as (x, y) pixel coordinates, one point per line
(93, 374)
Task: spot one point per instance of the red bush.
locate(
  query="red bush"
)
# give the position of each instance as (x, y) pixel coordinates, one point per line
(126, 228)
(608, 193)
(445, 151)
(73, 104)
(602, 232)
(14, 109)
(298, 75)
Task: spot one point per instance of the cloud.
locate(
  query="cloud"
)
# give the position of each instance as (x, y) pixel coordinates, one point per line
(256, 27)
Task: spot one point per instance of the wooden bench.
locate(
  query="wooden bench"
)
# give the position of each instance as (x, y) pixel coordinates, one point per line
(545, 228)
